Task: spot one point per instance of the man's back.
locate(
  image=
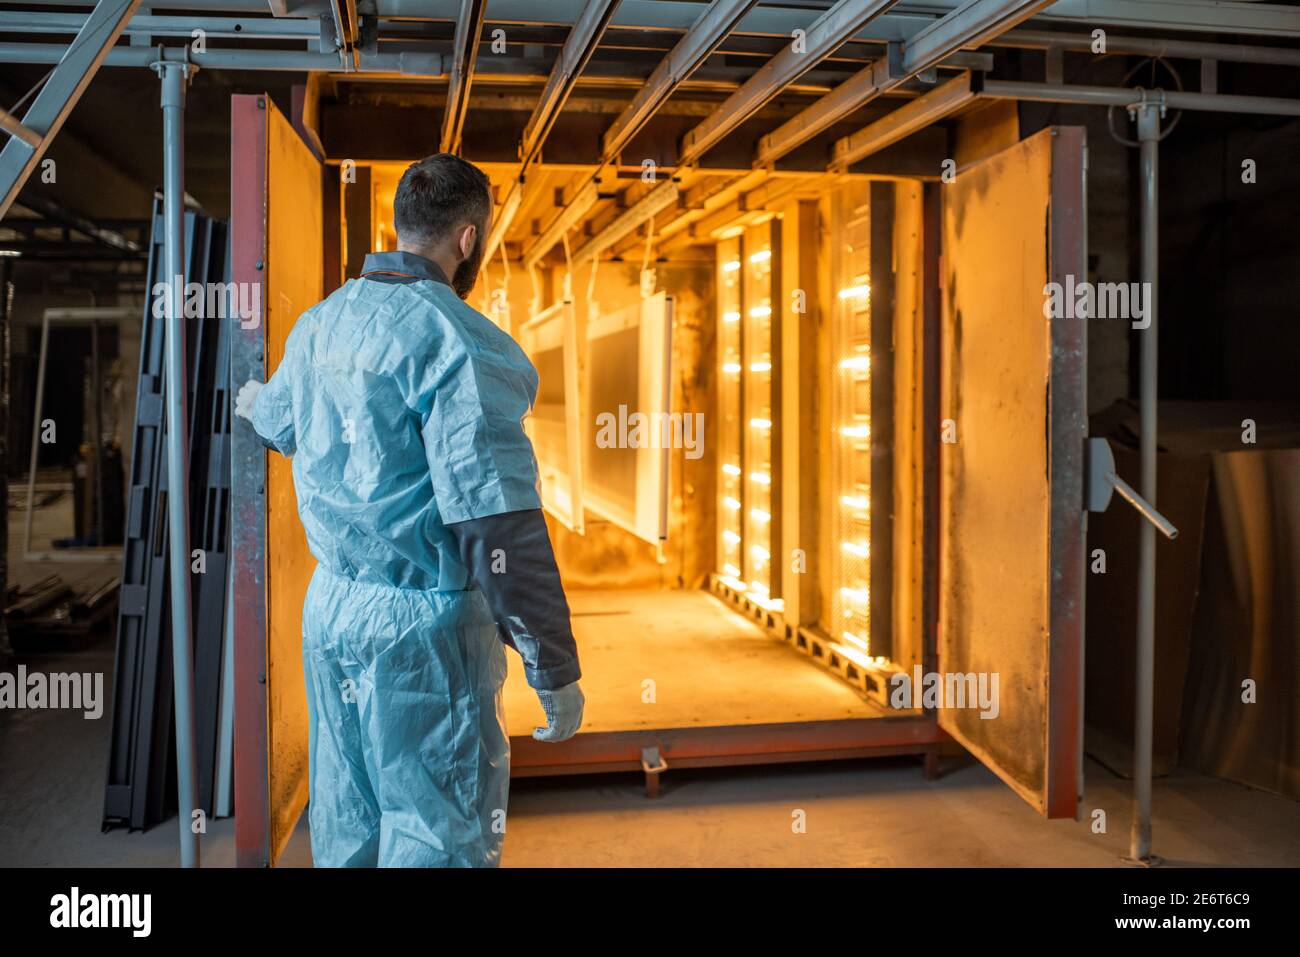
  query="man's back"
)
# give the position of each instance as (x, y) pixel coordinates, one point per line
(401, 406)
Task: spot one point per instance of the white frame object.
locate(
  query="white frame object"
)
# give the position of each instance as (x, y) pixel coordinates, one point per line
(653, 317)
(78, 316)
(561, 482)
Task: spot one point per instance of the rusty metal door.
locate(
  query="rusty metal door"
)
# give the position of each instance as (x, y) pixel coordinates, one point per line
(276, 242)
(1011, 523)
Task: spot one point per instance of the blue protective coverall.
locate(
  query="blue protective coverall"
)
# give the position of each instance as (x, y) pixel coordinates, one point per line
(402, 408)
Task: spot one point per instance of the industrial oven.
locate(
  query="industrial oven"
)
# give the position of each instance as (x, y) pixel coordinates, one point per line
(889, 484)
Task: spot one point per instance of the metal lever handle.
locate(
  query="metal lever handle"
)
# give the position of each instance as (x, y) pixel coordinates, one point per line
(1145, 508)
(1102, 481)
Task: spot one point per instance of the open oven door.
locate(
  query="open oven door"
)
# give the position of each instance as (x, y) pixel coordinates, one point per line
(276, 241)
(1011, 522)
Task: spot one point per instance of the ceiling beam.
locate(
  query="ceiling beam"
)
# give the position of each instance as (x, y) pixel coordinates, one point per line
(573, 213)
(754, 199)
(57, 214)
(826, 34)
(577, 50)
(955, 94)
(346, 28)
(1029, 39)
(662, 197)
(14, 127)
(968, 26)
(509, 208)
(149, 25)
(57, 250)
(709, 194)
(63, 88)
(1195, 16)
(685, 57)
(1131, 96)
(469, 31)
(839, 103)
(691, 50)
(940, 102)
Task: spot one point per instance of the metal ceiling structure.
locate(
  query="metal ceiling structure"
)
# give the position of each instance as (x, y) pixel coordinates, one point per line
(716, 111)
(469, 29)
(639, 67)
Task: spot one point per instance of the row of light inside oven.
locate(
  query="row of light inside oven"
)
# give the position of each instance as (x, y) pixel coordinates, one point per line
(757, 589)
(859, 431)
(857, 600)
(763, 312)
(765, 255)
(852, 364)
(854, 549)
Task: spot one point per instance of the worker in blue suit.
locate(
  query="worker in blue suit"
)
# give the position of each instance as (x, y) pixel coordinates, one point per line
(402, 408)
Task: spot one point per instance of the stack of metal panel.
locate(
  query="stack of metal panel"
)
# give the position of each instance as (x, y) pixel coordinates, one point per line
(141, 788)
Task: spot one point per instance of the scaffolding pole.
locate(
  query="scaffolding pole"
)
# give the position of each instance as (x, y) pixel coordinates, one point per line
(1148, 115)
(174, 78)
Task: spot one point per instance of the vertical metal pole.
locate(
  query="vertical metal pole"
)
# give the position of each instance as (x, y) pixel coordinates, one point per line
(97, 416)
(1148, 120)
(5, 265)
(174, 77)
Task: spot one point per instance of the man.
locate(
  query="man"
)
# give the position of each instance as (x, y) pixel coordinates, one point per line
(402, 406)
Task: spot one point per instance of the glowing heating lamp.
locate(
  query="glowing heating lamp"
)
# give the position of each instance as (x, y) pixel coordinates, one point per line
(855, 656)
(857, 549)
(860, 596)
(855, 639)
(731, 578)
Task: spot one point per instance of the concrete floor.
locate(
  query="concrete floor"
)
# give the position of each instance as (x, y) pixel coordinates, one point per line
(859, 813)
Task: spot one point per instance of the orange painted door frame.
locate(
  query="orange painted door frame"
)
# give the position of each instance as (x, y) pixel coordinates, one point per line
(276, 242)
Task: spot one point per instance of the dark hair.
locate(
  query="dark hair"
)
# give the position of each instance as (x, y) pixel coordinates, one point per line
(436, 194)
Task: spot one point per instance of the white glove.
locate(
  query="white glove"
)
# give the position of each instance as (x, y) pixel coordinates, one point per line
(563, 708)
(246, 397)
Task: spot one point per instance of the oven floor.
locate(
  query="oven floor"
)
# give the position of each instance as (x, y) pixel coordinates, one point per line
(710, 666)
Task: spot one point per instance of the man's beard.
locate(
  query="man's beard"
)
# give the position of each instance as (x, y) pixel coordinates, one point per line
(467, 272)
